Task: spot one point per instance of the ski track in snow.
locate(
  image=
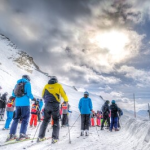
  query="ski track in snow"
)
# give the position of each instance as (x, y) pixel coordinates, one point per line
(130, 137)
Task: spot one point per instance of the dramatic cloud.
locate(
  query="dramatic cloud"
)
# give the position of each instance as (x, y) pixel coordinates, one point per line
(100, 45)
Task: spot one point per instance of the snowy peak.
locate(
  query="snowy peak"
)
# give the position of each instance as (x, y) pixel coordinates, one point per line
(20, 58)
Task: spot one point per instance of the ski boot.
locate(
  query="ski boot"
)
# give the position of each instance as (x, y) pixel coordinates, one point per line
(102, 129)
(54, 141)
(40, 139)
(11, 137)
(86, 132)
(82, 133)
(22, 137)
(116, 129)
(110, 130)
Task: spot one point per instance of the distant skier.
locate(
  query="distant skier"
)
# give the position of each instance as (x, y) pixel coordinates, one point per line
(3, 102)
(65, 109)
(22, 93)
(34, 112)
(106, 112)
(114, 116)
(10, 110)
(85, 107)
(51, 95)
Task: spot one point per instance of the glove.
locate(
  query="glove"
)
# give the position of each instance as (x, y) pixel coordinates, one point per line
(69, 111)
(34, 99)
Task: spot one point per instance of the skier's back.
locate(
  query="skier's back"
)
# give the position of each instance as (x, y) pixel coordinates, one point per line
(85, 107)
(51, 95)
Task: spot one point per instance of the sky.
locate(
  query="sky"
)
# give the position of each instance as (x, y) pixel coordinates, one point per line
(97, 45)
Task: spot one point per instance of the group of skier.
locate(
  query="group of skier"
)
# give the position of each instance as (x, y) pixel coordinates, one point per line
(109, 115)
(52, 93)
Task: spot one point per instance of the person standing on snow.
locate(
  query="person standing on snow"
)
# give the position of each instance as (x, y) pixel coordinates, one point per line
(65, 109)
(106, 112)
(10, 111)
(34, 112)
(22, 93)
(114, 116)
(3, 102)
(51, 95)
(85, 106)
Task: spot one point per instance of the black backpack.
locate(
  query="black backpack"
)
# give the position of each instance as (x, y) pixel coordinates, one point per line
(114, 108)
(19, 89)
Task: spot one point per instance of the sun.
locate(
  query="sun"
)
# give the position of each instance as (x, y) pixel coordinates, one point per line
(113, 41)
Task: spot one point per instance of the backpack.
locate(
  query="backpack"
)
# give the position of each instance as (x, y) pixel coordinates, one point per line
(114, 108)
(19, 89)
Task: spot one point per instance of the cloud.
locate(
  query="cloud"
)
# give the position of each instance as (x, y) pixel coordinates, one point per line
(66, 39)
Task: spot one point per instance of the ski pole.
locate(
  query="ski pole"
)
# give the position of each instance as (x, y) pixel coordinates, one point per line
(74, 124)
(69, 135)
(36, 131)
(97, 131)
(69, 130)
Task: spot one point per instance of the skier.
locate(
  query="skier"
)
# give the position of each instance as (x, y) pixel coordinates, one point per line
(98, 118)
(85, 107)
(34, 112)
(105, 110)
(65, 108)
(3, 102)
(22, 93)
(114, 116)
(10, 111)
(51, 95)
(40, 108)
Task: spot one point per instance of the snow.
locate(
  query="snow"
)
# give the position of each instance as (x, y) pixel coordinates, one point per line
(134, 135)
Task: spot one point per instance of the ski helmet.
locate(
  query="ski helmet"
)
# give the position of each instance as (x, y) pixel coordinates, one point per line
(53, 80)
(26, 77)
(113, 101)
(107, 101)
(86, 93)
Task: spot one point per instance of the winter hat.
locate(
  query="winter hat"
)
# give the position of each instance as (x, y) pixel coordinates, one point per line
(113, 101)
(86, 93)
(26, 77)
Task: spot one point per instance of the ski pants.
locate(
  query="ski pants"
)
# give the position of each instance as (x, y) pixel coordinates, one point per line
(51, 109)
(24, 113)
(114, 123)
(106, 118)
(2, 112)
(64, 119)
(33, 119)
(85, 118)
(9, 119)
(39, 116)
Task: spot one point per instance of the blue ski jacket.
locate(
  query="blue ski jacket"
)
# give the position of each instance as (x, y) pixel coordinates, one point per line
(25, 100)
(85, 105)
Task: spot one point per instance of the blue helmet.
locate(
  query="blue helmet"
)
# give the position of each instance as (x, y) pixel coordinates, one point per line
(86, 93)
(113, 101)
